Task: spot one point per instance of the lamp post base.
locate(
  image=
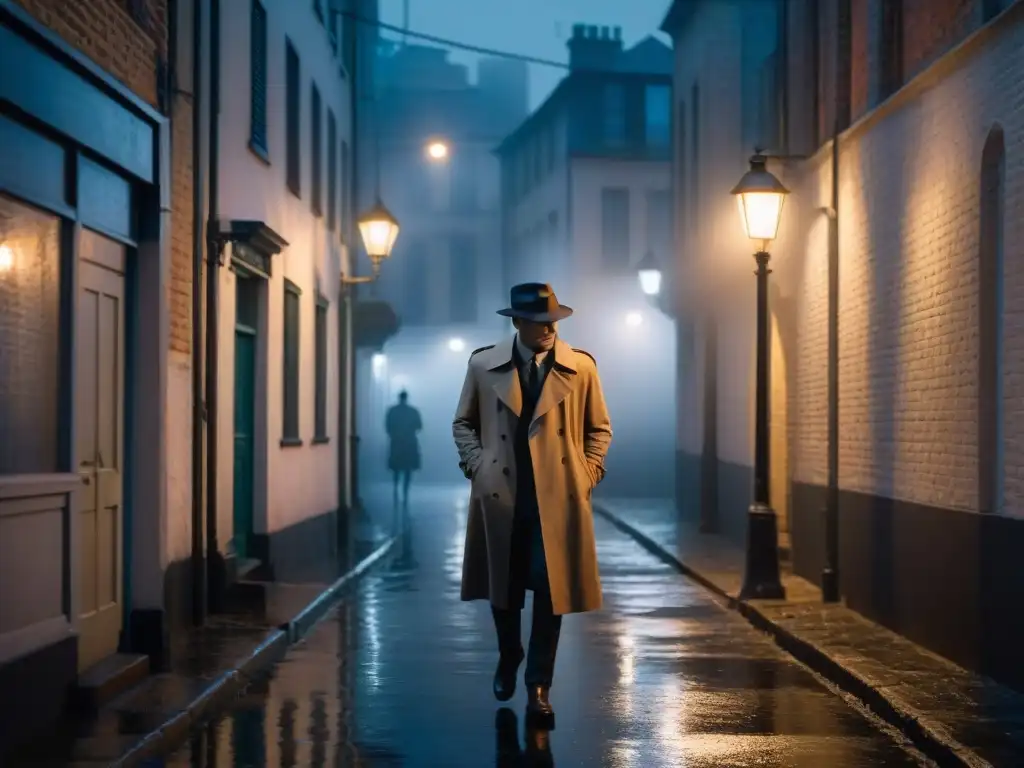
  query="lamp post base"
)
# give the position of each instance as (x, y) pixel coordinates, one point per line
(761, 580)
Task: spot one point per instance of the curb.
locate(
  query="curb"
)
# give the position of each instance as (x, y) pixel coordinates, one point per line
(928, 736)
(221, 691)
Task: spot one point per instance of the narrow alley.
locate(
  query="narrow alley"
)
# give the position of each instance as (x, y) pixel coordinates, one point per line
(400, 675)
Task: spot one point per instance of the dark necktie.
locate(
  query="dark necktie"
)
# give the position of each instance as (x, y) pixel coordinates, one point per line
(534, 379)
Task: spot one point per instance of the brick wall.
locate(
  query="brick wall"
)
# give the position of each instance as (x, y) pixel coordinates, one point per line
(127, 38)
(909, 329)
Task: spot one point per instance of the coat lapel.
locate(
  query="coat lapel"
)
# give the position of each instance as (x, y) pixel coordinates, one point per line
(559, 381)
(505, 376)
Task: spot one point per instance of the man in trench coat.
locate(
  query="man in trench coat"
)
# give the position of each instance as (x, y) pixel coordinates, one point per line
(532, 431)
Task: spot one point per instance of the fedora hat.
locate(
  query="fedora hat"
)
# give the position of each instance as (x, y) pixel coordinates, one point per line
(536, 302)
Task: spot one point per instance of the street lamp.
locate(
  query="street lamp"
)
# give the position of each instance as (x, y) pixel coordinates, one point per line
(649, 273)
(761, 196)
(379, 230)
(456, 344)
(437, 150)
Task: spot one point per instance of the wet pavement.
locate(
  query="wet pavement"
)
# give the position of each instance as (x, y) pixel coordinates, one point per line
(970, 718)
(399, 675)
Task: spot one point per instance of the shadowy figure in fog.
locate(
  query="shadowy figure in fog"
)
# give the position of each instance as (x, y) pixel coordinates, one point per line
(403, 423)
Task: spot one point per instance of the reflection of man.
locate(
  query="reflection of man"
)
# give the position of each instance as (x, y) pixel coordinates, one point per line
(402, 423)
(532, 431)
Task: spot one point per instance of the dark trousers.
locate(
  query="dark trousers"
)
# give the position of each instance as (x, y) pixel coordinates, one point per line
(529, 571)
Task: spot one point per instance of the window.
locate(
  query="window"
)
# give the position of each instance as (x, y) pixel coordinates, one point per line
(891, 41)
(345, 198)
(659, 223)
(464, 183)
(695, 156)
(316, 136)
(679, 183)
(465, 289)
(320, 426)
(416, 289)
(30, 351)
(332, 171)
(658, 116)
(615, 228)
(991, 332)
(615, 114)
(293, 101)
(258, 79)
(290, 425)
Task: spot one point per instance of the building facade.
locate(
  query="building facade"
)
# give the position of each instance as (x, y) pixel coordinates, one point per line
(911, 203)
(586, 194)
(285, 164)
(90, 276)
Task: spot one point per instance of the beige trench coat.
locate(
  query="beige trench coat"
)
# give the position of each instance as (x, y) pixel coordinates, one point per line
(569, 437)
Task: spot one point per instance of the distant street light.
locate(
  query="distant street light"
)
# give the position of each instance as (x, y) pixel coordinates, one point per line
(6, 258)
(437, 150)
(380, 365)
(649, 273)
(456, 344)
(761, 197)
(634, 319)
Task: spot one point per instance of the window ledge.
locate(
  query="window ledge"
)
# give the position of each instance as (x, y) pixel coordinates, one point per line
(260, 152)
(321, 440)
(291, 442)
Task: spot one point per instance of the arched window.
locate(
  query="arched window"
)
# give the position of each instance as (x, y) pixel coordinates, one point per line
(990, 319)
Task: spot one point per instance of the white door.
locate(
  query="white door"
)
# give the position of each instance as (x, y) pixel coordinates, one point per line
(99, 411)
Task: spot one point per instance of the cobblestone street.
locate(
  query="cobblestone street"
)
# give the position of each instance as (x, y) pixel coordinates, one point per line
(399, 675)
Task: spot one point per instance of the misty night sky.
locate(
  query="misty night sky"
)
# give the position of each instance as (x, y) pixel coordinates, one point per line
(532, 27)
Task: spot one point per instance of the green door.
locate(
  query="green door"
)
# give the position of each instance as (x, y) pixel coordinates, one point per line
(245, 378)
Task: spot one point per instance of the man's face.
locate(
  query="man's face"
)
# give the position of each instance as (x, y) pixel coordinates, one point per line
(540, 337)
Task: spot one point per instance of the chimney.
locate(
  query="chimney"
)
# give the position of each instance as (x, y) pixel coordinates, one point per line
(594, 48)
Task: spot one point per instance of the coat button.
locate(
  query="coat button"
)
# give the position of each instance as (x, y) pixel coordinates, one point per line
(505, 471)
(563, 459)
(494, 495)
(561, 432)
(494, 461)
(502, 437)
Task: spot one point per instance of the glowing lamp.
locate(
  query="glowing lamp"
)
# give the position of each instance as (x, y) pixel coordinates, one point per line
(760, 197)
(649, 274)
(456, 345)
(379, 230)
(437, 150)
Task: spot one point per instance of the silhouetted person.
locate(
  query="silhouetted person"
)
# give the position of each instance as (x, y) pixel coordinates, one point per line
(403, 423)
(531, 404)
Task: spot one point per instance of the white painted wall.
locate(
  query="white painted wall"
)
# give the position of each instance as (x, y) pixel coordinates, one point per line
(301, 481)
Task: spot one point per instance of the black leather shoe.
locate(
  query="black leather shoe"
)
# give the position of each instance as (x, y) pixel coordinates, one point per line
(539, 707)
(505, 675)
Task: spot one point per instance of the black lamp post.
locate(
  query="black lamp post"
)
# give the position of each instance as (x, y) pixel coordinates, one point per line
(761, 196)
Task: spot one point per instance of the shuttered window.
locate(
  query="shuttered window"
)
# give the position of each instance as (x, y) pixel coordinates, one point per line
(332, 171)
(293, 103)
(290, 425)
(316, 138)
(615, 228)
(258, 78)
(320, 395)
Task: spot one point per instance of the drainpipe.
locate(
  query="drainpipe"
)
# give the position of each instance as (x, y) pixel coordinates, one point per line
(215, 575)
(198, 178)
(830, 573)
(350, 295)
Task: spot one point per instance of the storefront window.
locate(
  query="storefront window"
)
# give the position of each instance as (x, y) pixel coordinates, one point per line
(29, 338)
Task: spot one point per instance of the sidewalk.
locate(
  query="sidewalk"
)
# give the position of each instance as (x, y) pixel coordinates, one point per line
(955, 717)
(210, 666)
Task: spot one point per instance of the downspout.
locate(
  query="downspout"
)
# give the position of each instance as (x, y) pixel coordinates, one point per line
(215, 575)
(350, 290)
(830, 573)
(198, 564)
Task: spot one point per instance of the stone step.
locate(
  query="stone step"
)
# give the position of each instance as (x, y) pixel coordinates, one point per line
(109, 678)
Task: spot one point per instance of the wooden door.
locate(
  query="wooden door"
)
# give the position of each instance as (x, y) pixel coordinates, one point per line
(99, 414)
(245, 413)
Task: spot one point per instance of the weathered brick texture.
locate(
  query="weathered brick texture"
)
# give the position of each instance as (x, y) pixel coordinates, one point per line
(909, 322)
(127, 38)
